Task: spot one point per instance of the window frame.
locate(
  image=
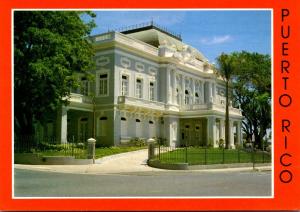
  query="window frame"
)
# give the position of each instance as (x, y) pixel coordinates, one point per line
(99, 73)
(127, 76)
(140, 96)
(153, 91)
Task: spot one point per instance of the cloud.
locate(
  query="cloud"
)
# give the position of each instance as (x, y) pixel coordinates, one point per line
(216, 40)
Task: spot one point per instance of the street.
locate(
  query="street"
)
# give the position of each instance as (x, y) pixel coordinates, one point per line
(29, 183)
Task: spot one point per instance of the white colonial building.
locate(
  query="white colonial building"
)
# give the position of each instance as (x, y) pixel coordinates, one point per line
(147, 83)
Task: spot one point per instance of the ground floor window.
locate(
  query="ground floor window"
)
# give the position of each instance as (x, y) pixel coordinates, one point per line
(83, 129)
(102, 126)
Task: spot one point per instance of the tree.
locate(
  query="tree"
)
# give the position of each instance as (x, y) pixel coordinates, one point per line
(252, 91)
(49, 47)
(248, 78)
(225, 67)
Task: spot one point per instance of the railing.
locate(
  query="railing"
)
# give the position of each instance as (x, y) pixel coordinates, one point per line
(126, 100)
(48, 146)
(205, 155)
(75, 97)
(147, 24)
(209, 106)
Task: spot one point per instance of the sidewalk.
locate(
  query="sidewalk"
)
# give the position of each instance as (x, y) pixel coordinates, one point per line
(135, 161)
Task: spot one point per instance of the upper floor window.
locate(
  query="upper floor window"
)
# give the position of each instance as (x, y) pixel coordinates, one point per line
(151, 92)
(124, 89)
(197, 99)
(139, 88)
(84, 88)
(186, 97)
(103, 85)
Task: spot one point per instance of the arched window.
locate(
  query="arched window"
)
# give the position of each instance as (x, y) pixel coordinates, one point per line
(102, 126)
(83, 129)
(187, 97)
(138, 128)
(177, 96)
(49, 129)
(150, 122)
(123, 127)
(197, 99)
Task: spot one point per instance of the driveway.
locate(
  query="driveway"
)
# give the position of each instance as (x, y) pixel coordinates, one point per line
(135, 161)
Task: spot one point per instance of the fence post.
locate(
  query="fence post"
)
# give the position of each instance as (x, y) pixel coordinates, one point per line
(91, 149)
(159, 150)
(205, 156)
(151, 151)
(253, 157)
(223, 155)
(186, 160)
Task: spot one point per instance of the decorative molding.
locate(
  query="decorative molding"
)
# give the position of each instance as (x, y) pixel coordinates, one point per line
(139, 66)
(152, 71)
(125, 62)
(102, 61)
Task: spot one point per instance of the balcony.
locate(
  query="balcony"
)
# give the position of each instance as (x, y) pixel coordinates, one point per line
(141, 103)
(79, 98)
(210, 106)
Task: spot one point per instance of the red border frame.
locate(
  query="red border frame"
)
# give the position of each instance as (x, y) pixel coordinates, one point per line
(286, 195)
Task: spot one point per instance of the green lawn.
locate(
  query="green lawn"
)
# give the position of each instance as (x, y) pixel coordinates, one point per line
(106, 151)
(197, 156)
(81, 153)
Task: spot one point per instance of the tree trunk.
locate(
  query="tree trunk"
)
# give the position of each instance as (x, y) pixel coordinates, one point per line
(227, 116)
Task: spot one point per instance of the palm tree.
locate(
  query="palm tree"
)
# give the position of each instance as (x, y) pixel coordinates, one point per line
(225, 68)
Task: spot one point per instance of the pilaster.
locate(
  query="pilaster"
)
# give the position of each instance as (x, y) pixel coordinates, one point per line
(211, 131)
(61, 125)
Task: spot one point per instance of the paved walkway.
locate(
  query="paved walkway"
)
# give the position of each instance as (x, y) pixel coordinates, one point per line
(135, 161)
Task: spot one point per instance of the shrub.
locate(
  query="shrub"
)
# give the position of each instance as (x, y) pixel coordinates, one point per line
(137, 142)
(221, 143)
(161, 141)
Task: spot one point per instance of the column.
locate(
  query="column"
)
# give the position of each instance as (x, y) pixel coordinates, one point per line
(222, 129)
(202, 91)
(174, 86)
(214, 90)
(231, 135)
(168, 87)
(183, 90)
(117, 126)
(61, 125)
(211, 131)
(132, 84)
(209, 92)
(145, 87)
(193, 91)
(239, 133)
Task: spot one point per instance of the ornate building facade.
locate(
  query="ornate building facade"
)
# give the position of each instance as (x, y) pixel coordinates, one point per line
(147, 83)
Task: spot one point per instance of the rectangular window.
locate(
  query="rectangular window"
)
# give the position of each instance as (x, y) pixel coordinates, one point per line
(103, 85)
(84, 88)
(139, 88)
(151, 93)
(124, 91)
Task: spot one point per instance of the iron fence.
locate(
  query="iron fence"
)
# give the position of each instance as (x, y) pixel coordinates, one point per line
(48, 146)
(205, 155)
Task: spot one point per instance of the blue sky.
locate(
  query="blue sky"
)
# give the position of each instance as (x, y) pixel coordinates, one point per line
(211, 32)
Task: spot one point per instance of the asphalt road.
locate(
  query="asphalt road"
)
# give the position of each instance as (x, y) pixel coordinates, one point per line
(28, 183)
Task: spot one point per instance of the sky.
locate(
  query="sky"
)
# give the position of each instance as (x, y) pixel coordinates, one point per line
(211, 32)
